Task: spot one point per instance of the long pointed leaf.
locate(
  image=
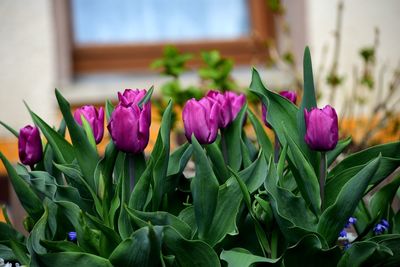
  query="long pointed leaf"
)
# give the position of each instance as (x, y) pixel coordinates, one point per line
(86, 155)
(335, 216)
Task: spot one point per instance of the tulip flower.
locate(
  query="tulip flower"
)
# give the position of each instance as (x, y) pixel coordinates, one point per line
(290, 95)
(321, 128)
(201, 119)
(95, 119)
(30, 145)
(129, 125)
(229, 105)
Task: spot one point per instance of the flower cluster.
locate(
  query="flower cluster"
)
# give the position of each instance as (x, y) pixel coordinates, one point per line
(381, 227)
(215, 111)
(129, 125)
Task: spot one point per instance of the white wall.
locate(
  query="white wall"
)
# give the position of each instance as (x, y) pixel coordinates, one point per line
(360, 17)
(27, 61)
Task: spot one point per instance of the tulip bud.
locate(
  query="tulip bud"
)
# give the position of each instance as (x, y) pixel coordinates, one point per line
(95, 119)
(290, 95)
(29, 145)
(229, 105)
(321, 128)
(201, 119)
(129, 125)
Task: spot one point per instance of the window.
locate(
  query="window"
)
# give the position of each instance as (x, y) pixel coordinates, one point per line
(124, 35)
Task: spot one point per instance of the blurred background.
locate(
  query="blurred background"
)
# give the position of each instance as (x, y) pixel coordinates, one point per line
(91, 49)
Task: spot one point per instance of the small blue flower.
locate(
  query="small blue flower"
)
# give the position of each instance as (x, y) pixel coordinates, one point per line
(385, 223)
(379, 229)
(343, 233)
(72, 236)
(351, 221)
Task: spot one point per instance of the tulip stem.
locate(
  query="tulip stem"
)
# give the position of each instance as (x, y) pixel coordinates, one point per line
(131, 168)
(277, 149)
(322, 177)
(224, 148)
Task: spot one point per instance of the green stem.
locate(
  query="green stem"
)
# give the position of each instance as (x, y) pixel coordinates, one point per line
(322, 178)
(224, 148)
(277, 149)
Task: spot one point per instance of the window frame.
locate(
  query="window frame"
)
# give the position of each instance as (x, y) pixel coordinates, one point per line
(92, 58)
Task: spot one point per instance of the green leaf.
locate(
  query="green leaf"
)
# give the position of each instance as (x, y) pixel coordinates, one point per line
(308, 101)
(20, 252)
(10, 129)
(333, 154)
(239, 257)
(391, 241)
(160, 157)
(86, 155)
(382, 200)
(179, 158)
(63, 151)
(60, 246)
(7, 232)
(29, 200)
(365, 253)
(141, 191)
(143, 248)
(188, 252)
(146, 98)
(335, 216)
(7, 254)
(89, 132)
(232, 136)
(307, 181)
(230, 199)
(262, 137)
(261, 235)
(334, 185)
(124, 226)
(290, 211)
(84, 187)
(73, 259)
(390, 150)
(109, 239)
(218, 162)
(279, 109)
(204, 187)
(309, 251)
(109, 110)
(160, 218)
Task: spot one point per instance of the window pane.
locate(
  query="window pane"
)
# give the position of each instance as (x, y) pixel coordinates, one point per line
(138, 21)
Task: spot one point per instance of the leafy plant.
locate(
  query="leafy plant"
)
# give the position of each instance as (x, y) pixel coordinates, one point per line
(237, 206)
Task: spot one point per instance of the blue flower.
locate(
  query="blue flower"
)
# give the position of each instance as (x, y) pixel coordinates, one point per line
(343, 233)
(72, 236)
(385, 223)
(351, 221)
(381, 227)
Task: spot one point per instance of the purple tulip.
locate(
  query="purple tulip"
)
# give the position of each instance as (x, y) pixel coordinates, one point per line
(229, 104)
(290, 95)
(95, 119)
(29, 145)
(321, 128)
(201, 119)
(129, 125)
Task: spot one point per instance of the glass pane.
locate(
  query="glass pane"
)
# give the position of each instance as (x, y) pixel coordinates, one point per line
(139, 21)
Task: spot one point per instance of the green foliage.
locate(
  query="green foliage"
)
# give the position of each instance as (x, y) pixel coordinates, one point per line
(173, 62)
(226, 203)
(217, 71)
